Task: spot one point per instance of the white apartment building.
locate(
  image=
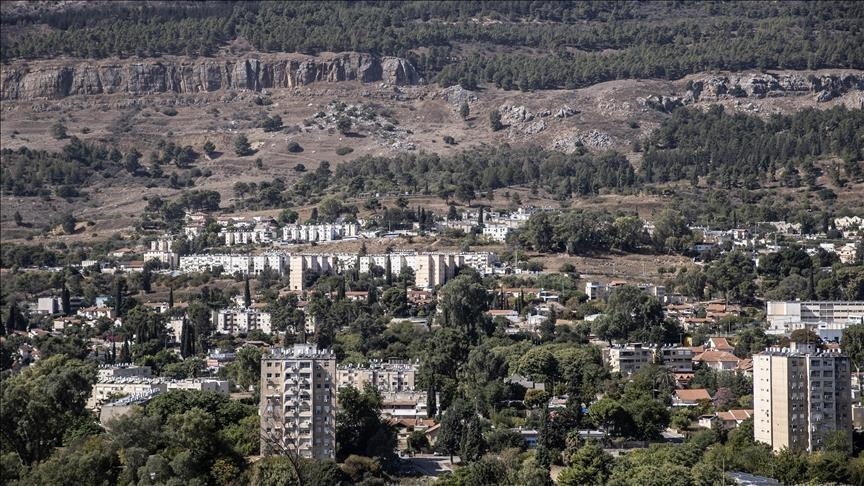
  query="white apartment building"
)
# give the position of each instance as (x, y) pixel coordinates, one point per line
(54, 304)
(241, 321)
(785, 317)
(850, 225)
(630, 358)
(404, 405)
(161, 250)
(108, 372)
(319, 232)
(298, 402)
(275, 262)
(248, 232)
(595, 290)
(496, 231)
(799, 396)
(166, 257)
(200, 384)
(245, 264)
(679, 359)
(385, 377)
(430, 269)
(107, 388)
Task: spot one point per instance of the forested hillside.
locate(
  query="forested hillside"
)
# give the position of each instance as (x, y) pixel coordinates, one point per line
(471, 42)
(746, 151)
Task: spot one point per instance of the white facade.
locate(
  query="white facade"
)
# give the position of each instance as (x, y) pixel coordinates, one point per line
(241, 321)
(259, 233)
(496, 232)
(200, 384)
(245, 264)
(385, 377)
(784, 317)
(319, 232)
(430, 269)
(404, 405)
(167, 257)
(106, 388)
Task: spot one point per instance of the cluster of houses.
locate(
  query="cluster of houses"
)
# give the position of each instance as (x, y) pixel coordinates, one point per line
(493, 225)
(761, 241)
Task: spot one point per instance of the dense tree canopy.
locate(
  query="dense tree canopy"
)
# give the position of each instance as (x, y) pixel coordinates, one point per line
(591, 41)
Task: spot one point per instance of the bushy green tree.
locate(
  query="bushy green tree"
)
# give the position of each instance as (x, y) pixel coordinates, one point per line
(242, 147)
(42, 402)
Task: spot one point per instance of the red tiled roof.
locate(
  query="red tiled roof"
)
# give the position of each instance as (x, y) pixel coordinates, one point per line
(720, 344)
(736, 415)
(716, 357)
(692, 395)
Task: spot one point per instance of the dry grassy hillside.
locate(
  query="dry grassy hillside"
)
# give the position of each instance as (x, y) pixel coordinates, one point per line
(388, 120)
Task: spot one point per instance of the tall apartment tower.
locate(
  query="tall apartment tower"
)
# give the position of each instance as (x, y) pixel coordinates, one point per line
(298, 402)
(800, 395)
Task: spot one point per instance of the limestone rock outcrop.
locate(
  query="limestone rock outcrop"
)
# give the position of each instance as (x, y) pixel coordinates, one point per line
(53, 80)
(824, 86)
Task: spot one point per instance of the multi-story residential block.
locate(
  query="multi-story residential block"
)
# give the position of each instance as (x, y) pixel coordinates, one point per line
(298, 402)
(319, 232)
(240, 321)
(230, 264)
(785, 317)
(630, 358)
(200, 384)
(595, 290)
(386, 377)
(94, 312)
(496, 232)
(161, 250)
(800, 396)
(404, 405)
(54, 305)
(677, 358)
(106, 389)
(850, 225)
(430, 269)
(108, 372)
(248, 233)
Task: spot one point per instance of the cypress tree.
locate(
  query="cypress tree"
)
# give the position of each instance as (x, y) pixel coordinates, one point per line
(66, 301)
(146, 278)
(118, 296)
(113, 349)
(388, 271)
(13, 321)
(187, 343)
(170, 297)
(340, 291)
(125, 354)
(472, 445)
(247, 294)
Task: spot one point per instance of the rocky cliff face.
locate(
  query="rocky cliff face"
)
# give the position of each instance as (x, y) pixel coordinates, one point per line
(823, 87)
(52, 81)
